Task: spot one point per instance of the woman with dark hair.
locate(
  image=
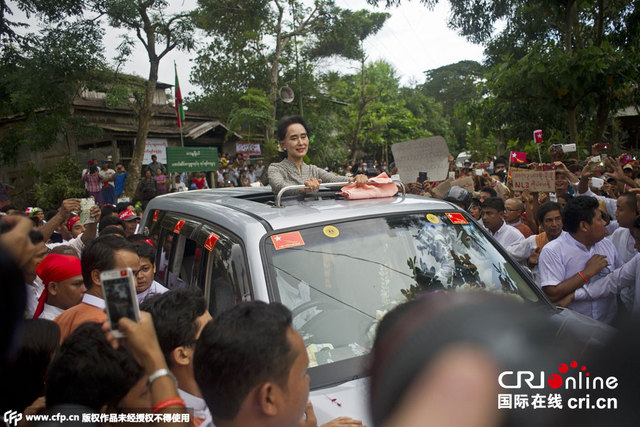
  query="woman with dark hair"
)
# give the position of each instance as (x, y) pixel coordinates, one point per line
(293, 137)
(38, 343)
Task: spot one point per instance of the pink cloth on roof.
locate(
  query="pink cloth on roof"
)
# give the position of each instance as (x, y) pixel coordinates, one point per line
(379, 186)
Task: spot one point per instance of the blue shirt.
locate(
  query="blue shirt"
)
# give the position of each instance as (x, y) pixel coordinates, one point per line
(119, 182)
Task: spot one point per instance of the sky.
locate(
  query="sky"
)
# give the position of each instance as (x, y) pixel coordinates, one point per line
(414, 39)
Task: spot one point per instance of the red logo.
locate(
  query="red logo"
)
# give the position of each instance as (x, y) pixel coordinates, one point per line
(155, 215)
(178, 226)
(537, 136)
(211, 241)
(456, 218)
(287, 240)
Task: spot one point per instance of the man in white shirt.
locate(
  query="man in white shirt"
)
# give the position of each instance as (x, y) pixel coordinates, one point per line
(527, 251)
(626, 214)
(179, 317)
(493, 220)
(577, 257)
(145, 285)
(64, 286)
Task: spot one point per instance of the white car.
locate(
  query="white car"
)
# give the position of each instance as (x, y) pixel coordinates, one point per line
(339, 265)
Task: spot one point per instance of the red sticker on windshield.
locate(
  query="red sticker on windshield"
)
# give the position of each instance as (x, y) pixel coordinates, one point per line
(178, 226)
(155, 215)
(287, 240)
(456, 218)
(211, 241)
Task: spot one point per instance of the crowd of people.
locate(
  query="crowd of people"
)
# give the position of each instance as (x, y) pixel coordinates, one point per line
(248, 365)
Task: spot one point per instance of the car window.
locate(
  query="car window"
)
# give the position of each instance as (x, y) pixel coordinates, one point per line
(340, 279)
(226, 278)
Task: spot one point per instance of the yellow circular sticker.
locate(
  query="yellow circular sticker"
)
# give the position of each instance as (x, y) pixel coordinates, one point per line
(331, 231)
(433, 219)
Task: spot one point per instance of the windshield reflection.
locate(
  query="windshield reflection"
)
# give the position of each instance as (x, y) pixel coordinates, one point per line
(340, 279)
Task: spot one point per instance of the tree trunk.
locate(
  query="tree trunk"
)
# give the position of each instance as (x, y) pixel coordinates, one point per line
(355, 143)
(602, 115)
(573, 125)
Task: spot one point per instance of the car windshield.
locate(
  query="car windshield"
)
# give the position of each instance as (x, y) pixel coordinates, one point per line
(339, 279)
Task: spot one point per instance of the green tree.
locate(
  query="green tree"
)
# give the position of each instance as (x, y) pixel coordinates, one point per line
(159, 33)
(569, 56)
(254, 31)
(453, 85)
(42, 73)
(252, 115)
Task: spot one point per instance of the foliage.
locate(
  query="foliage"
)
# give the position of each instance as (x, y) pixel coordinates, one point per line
(42, 75)
(58, 183)
(252, 116)
(253, 40)
(562, 66)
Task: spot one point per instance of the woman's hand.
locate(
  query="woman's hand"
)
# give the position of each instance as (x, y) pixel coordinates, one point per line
(360, 179)
(313, 184)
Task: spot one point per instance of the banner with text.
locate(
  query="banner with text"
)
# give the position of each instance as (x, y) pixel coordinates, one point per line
(155, 146)
(544, 181)
(429, 155)
(192, 159)
(248, 148)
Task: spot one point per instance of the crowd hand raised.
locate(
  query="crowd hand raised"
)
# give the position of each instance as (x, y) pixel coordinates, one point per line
(139, 337)
(68, 206)
(16, 241)
(313, 184)
(595, 264)
(95, 213)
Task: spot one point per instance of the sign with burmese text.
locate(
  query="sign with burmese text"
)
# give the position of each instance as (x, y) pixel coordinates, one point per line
(192, 159)
(544, 181)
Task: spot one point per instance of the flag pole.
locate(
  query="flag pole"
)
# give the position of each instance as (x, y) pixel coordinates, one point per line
(177, 95)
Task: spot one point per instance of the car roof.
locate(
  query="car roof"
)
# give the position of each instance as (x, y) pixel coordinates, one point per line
(257, 203)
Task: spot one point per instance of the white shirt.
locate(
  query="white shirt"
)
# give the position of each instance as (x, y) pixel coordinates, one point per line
(564, 257)
(625, 245)
(76, 244)
(625, 277)
(93, 300)
(507, 235)
(33, 293)
(155, 288)
(50, 312)
(198, 406)
(521, 251)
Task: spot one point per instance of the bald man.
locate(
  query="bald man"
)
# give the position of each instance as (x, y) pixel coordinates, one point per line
(513, 209)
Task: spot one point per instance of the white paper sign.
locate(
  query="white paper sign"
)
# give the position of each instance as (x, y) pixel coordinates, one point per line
(155, 146)
(430, 155)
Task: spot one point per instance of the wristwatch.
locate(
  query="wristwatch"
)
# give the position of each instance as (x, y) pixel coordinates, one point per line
(161, 373)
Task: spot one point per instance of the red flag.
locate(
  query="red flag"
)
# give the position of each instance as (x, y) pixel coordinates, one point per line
(518, 157)
(178, 100)
(537, 136)
(287, 240)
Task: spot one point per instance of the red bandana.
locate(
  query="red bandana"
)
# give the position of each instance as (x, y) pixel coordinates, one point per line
(55, 268)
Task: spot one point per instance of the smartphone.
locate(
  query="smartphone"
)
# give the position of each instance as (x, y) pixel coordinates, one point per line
(422, 177)
(601, 146)
(119, 290)
(452, 175)
(85, 210)
(548, 167)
